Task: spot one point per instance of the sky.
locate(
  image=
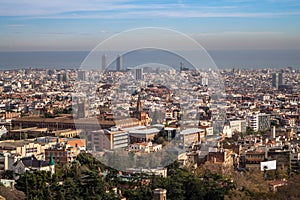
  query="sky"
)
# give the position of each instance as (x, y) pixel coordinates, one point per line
(75, 25)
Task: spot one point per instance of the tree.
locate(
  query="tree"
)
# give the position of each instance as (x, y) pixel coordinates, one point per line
(249, 130)
(37, 185)
(7, 174)
(291, 190)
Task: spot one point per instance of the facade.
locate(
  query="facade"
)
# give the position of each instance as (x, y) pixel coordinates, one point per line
(65, 150)
(227, 131)
(204, 81)
(282, 157)
(32, 163)
(67, 133)
(222, 156)
(277, 80)
(62, 77)
(220, 161)
(22, 147)
(106, 140)
(82, 75)
(139, 74)
(259, 122)
(68, 123)
(62, 156)
(104, 61)
(156, 171)
(82, 109)
(192, 135)
(6, 161)
(160, 194)
(295, 161)
(238, 126)
(143, 135)
(145, 147)
(288, 122)
(255, 157)
(119, 63)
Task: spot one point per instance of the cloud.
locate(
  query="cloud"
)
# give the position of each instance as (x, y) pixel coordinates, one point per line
(15, 25)
(110, 9)
(238, 33)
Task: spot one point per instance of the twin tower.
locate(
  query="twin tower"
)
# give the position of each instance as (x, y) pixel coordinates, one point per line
(119, 62)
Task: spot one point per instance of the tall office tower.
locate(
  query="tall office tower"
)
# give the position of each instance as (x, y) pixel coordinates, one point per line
(65, 77)
(204, 81)
(274, 80)
(119, 63)
(104, 62)
(82, 108)
(277, 79)
(139, 74)
(59, 77)
(82, 75)
(50, 72)
(281, 79)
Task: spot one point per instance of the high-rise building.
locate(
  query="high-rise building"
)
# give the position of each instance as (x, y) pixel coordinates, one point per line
(65, 77)
(259, 122)
(278, 79)
(119, 65)
(59, 77)
(104, 62)
(107, 139)
(204, 81)
(62, 77)
(83, 109)
(274, 80)
(139, 74)
(51, 72)
(82, 75)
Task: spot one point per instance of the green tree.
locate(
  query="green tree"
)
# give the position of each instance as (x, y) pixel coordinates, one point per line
(7, 174)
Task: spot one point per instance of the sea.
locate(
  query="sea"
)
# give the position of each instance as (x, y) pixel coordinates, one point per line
(223, 58)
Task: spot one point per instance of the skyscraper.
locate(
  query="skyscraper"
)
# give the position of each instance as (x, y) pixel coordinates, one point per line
(82, 108)
(278, 80)
(62, 77)
(281, 79)
(104, 64)
(82, 75)
(59, 77)
(119, 63)
(139, 74)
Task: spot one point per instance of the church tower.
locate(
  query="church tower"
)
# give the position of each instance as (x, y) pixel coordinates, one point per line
(139, 114)
(139, 107)
(52, 164)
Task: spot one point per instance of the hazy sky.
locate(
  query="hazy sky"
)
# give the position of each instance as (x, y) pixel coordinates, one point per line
(82, 24)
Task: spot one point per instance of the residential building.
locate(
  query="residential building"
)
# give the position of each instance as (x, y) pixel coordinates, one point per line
(259, 122)
(143, 135)
(31, 163)
(191, 136)
(105, 139)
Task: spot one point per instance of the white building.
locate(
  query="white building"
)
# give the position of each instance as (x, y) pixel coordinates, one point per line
(227, 131)
(145, 147)
(259, 122)
(238, 126)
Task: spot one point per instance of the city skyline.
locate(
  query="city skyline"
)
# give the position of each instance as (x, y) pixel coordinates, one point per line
(135, 99)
